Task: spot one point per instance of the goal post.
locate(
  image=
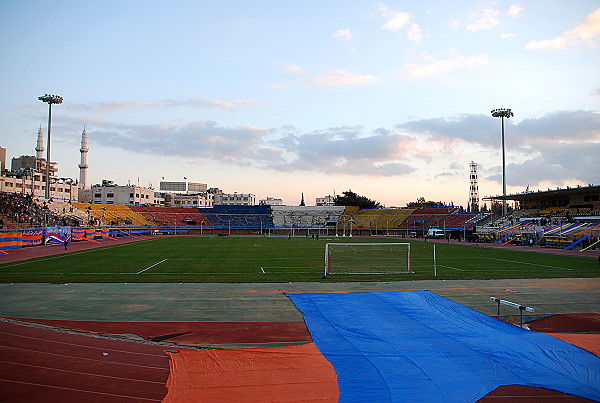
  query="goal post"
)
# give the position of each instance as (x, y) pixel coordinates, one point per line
(367, 258)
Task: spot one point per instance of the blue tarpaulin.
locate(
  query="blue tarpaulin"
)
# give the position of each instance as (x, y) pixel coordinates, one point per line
(418, 346)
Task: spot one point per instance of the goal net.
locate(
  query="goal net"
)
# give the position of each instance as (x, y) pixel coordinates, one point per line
(367, 258)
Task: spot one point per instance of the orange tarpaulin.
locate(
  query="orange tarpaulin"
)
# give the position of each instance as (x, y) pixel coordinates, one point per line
(587, 341)
(277, 374)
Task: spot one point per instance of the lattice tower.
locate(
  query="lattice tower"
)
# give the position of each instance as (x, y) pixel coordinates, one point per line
(473, 188)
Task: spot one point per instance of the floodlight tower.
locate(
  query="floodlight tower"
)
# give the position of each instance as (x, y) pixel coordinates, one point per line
(473, 188)
(50, 100)
(503, 113)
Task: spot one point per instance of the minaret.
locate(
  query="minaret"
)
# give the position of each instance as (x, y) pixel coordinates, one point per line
(83, 166)
(39, 149)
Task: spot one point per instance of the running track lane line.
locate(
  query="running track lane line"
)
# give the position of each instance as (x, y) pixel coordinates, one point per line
(112, 383)
(75, 372)
(155, 264)
(80, 390)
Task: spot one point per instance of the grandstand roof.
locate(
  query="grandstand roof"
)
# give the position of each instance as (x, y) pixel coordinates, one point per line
(549, 194)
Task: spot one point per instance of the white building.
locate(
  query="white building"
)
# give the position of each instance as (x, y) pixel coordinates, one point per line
(28, 175)
(235, 199)
(203, 199)
(110, 193)
(29, 162)
(24, 182)
(182, 187)
(2, 159)
(325, 201)
(271, 201)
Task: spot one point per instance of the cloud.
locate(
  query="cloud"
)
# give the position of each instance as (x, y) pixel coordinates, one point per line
(205, 104)
(292, 68)
(340, 150)
(560, 127)
(586, 32)
(197, 140)
(483, 19)
(478, 129)
(195, 103)
(343, 33)
(445, 174)
(507, 35)
(397, 21)
(554, 164)
(346, 150)
(108, 107)
(557, 127)
(515, 11)
(339, 78)
(430, 66)
(414, 33)
(560, 147)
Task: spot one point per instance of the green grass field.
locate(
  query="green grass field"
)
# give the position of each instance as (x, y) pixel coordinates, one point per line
(279, 259)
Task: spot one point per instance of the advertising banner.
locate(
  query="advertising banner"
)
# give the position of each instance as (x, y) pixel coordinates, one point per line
(33, 237)
(58, 235)
(78, 234)
(11, 240)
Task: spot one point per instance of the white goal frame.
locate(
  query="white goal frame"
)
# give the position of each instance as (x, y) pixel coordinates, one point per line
(408, 262)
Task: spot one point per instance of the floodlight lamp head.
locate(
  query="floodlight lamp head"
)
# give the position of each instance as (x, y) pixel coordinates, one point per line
(51, 99)
(502, 113)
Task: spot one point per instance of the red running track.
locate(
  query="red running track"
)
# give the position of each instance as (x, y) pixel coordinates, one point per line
(191, 333)
(38, 365)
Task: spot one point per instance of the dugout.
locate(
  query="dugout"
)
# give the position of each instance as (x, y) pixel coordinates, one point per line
(560, 242)
(488, 238)
(521, 240)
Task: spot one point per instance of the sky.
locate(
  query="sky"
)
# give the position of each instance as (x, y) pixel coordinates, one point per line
(389, 99)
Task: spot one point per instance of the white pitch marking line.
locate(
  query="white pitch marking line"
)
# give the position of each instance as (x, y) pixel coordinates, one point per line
(155, 264)
(452, 268)
(531, 264)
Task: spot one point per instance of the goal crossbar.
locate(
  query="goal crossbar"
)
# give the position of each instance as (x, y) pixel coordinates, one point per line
(368, 258)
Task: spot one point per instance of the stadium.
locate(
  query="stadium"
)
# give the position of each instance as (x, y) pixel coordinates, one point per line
(256, 280)
(280, 303)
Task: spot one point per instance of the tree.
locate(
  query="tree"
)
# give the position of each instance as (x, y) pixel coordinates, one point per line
(422, 203)
(349, 198)
(496, 205)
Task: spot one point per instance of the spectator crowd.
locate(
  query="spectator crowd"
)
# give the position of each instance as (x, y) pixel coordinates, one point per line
(25, 211)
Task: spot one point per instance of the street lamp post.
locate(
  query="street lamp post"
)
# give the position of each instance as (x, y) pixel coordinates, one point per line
(503, 113)
(50, 100)
(32, 173)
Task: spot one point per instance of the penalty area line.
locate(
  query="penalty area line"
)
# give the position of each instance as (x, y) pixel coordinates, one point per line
(531, 264)
(155, 264)
(451, 268)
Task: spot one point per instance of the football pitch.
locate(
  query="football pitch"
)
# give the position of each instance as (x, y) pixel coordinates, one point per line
(194, 259)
